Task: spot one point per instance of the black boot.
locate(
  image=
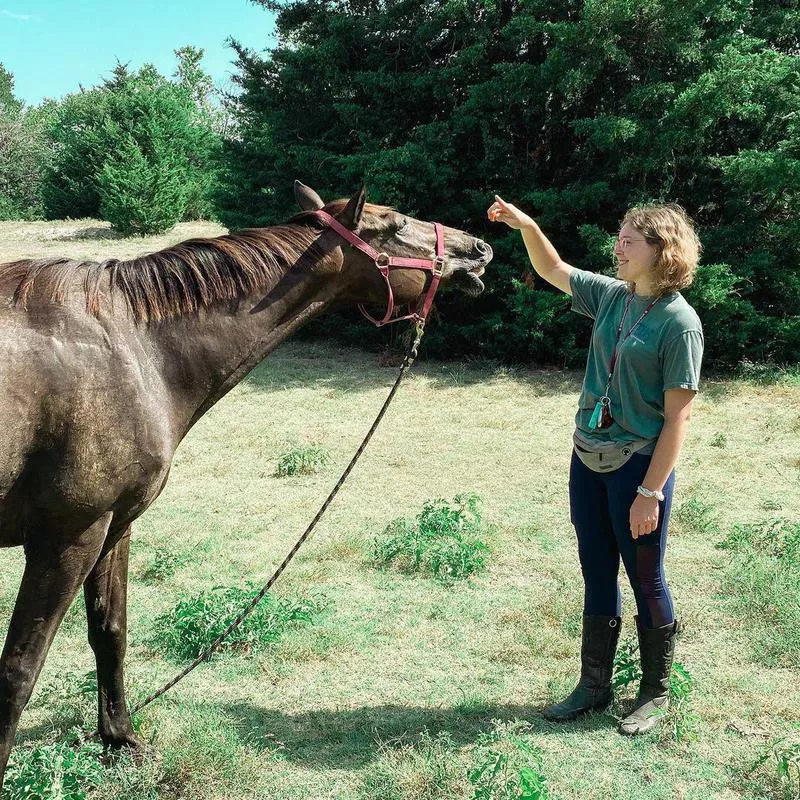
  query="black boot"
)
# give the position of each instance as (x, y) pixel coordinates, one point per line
(657, 649)
(593, 692)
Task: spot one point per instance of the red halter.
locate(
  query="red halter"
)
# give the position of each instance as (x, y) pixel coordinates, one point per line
(384, 262)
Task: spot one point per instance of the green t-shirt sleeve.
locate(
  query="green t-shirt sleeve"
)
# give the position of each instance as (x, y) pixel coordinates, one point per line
(681, 359)
(588, 290)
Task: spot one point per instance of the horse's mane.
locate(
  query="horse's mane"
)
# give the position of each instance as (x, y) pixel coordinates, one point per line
(181, 279)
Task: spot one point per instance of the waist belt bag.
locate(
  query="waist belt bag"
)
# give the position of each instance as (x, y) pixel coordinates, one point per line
(607, 460)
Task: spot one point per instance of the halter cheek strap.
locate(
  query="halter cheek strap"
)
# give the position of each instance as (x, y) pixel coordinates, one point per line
(385, 263)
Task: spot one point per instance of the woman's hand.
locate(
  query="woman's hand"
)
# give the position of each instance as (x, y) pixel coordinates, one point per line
(500, 211)
(643, 516)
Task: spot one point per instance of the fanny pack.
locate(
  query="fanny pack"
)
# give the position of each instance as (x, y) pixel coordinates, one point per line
(608, 459)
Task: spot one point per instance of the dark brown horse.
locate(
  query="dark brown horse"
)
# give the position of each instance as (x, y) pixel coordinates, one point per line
(105, 367)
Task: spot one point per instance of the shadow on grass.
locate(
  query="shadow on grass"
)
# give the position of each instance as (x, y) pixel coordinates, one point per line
(350, 739)
(95, 232)
(299, 364)
(342, 739)
(54, 729)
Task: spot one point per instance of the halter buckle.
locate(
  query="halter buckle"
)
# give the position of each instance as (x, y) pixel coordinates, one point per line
(438, 265)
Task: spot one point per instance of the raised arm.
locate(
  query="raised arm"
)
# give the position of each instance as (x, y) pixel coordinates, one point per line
(544, 257)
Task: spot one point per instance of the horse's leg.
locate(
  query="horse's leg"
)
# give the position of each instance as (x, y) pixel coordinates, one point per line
(54, 571)
(106, 594)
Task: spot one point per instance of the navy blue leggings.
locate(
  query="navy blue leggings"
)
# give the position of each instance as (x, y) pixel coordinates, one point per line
(600, 503)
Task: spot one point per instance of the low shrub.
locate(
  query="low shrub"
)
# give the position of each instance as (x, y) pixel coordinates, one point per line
(766, 373)
(443, 541)
(193, 624)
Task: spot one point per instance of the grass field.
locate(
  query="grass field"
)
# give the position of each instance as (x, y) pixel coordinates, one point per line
(402, 686)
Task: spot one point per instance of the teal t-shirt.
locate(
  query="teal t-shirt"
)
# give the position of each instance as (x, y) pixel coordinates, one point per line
(663, 352)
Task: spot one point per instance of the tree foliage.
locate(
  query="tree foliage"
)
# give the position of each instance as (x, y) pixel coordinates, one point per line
(24, 151)
(573, 110)
(140, 150)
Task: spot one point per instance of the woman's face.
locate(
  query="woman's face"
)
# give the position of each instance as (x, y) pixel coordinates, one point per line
(635, 256)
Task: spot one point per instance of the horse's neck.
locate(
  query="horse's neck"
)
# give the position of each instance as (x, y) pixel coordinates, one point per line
(203, 357)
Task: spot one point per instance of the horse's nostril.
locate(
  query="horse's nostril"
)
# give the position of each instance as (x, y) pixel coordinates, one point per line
(484, 250)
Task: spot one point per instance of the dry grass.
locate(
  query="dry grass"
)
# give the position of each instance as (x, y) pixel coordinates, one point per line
(399, 656)
(88, 239)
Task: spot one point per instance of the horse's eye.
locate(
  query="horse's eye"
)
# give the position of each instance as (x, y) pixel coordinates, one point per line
(402, 226)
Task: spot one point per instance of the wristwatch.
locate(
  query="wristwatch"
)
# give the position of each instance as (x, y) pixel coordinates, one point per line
(650, 493)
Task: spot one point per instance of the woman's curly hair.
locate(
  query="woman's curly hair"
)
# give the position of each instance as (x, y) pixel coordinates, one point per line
(668, 227)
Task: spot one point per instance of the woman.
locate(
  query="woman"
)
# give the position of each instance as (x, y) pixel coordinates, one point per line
(641, 376)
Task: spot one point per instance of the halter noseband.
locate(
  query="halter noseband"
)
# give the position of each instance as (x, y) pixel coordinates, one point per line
(385, 263)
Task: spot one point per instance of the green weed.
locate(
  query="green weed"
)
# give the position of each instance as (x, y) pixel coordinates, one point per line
(56, 771)
(508, 765)
(164, 564)
(443, 541)
(680, 719)
(194, 624)
(696, 515)
(65, 684)
(302, 461)
(784, 755)
(627, 669)
(720, 439)
(762, 584)
(776, 537)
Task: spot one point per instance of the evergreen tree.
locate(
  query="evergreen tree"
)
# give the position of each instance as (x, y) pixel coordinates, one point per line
(574, 111)
(24, 150)
(139, 150)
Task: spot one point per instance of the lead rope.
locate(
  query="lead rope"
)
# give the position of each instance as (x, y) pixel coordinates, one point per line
(206, 654)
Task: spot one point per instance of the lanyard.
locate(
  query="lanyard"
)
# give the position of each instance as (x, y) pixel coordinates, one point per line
(601, 416)
(618, 344)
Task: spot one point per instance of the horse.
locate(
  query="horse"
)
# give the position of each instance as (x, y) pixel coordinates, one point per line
(105, 367)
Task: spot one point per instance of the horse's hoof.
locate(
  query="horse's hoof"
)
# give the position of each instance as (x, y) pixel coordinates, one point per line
(117, 741)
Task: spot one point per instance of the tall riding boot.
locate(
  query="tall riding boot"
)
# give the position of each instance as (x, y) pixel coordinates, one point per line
(657, 649)
(593, 692)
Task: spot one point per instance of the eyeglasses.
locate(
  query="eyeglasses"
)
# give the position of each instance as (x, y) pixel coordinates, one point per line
(625, 243)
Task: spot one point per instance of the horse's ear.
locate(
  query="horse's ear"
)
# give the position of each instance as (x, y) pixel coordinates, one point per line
(306, 197)
(351, 216)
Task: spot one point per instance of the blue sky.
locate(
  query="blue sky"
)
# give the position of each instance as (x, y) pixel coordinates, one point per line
(53, 46)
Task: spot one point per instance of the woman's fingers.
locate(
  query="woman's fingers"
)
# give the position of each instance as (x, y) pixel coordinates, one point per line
(501, 212)
(642, 518)
(643, 527)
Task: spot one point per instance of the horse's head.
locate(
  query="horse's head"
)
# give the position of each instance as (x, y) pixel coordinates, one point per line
(395, 234)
